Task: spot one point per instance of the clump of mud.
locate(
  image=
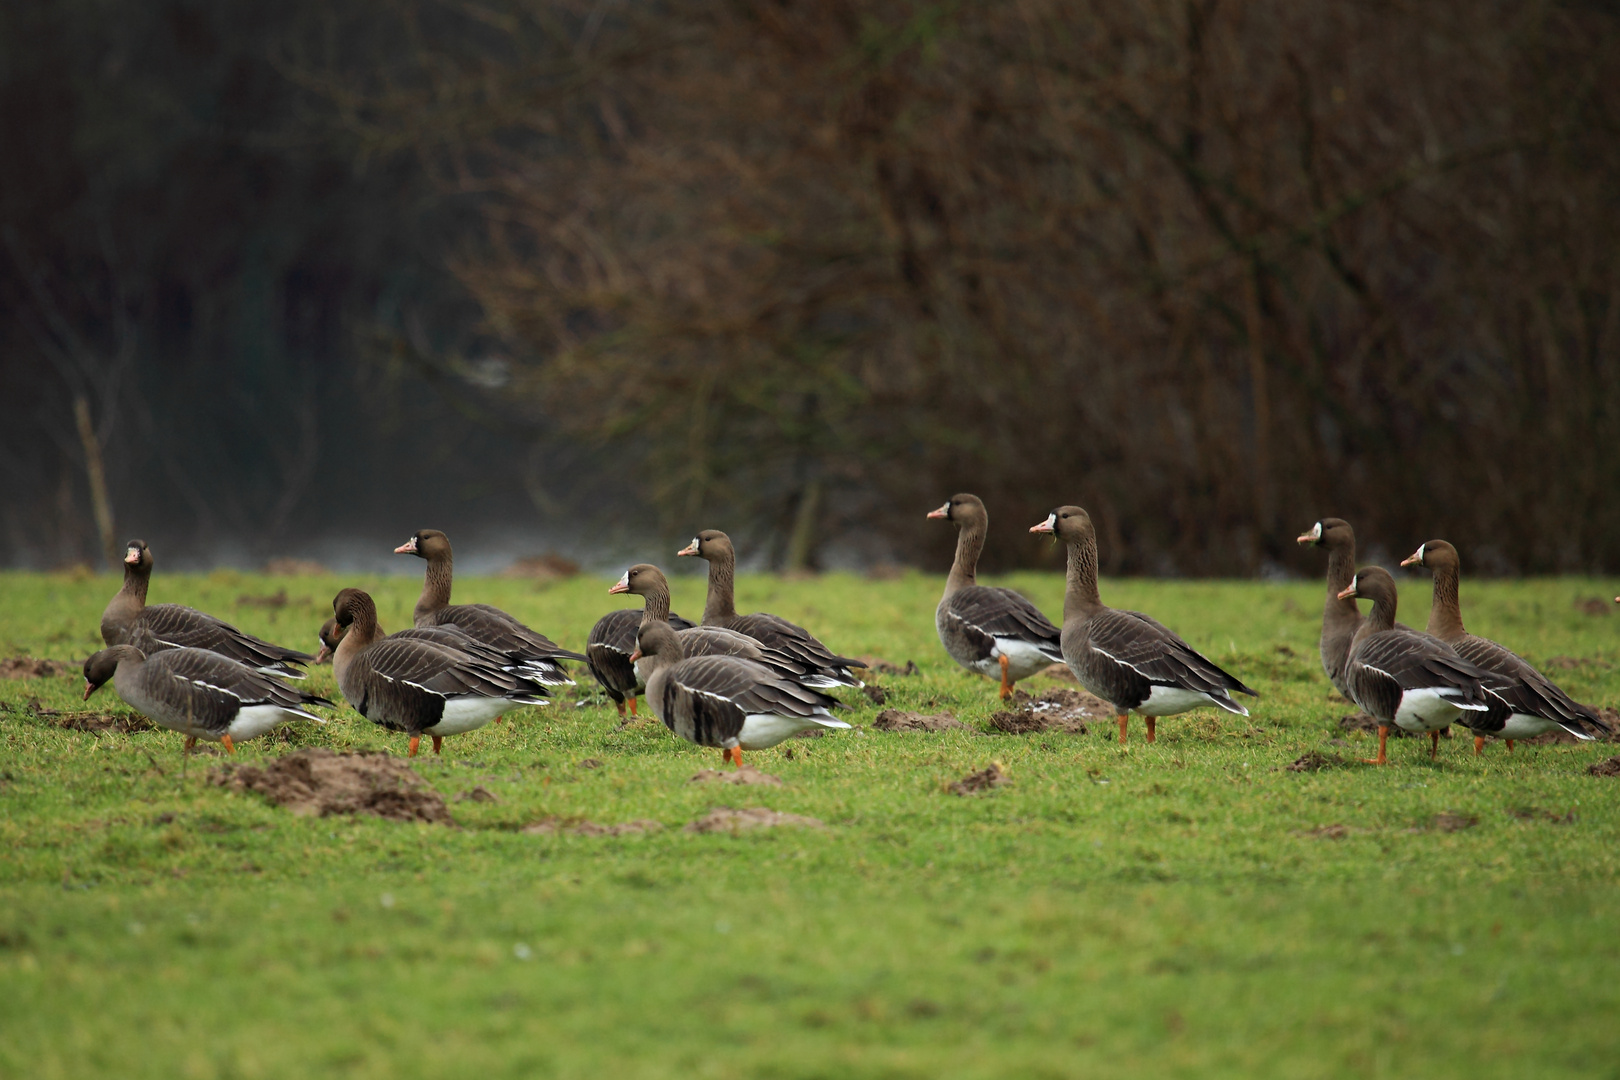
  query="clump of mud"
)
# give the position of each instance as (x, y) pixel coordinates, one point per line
(478, 794)
(1311, 761)
(899, 720)
(94, 722)
(1059, 671)
(1446, 821)
(552, 826)
(1605, 768)
(725, 819)
(29, 667)
(1053, 710)
(1328, 832)
(319, 783)
(884, 667)
(986, 778)
(747, 775)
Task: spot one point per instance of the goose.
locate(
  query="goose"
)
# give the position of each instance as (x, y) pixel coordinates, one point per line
(1523, 702)
(1340, 618)
(714, 547)
(1403, 678)
(199, 693)
(726, 701)
(484, 623)
(608, 649)
(649, 582)
(1124, 657)
(991, 631)
(449, 636)
(418, 686)
(128, 620)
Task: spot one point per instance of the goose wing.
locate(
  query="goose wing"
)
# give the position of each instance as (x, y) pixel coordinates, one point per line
(211, 689)
(1517, 687)
(175, 626)
(496, 628)
(986, 613)
(707, 698)
(797, 643)
(1158, 655)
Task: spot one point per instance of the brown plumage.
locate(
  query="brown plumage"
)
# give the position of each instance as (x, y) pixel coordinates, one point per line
(1523, 702)
(991, 631)
(772, 630)
(484, 623)
(420, 687)
(608, 649)
(1124, 657)
(1403, 678)
(726, 701)
(128, 620)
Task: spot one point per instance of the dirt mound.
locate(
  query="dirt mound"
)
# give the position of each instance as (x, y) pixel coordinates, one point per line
(747, 775)
(317, 782)
(725, 819)
(97, 722)
(1328, 832)
(898, 720)
(1446, 821)
(1053, 710)
(1593, 605)
(553, 826)
(285, 567)
(986, 778)
(1536, 813)
(884, 667)
(478, 794)
(28, 667)
(1059, 671)
(547, 567)
(1311, 761)
(875, 693)
(1605, 768)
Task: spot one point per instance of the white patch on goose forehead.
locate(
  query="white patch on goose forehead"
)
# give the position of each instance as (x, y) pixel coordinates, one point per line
(1051, 519)
(1420, 551)
(696, 542)
(624, 578)
(1316, 530)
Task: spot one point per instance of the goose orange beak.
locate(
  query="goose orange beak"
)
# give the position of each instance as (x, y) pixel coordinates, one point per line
(1045, 526)
(89, 688)
(1414, 559)
(407, 548)
(620, 586)
(689, 549)
(635, 656)
(942, 512)
(1347, 593)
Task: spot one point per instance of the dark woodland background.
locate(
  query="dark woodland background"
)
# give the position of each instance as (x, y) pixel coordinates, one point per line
(284, 271)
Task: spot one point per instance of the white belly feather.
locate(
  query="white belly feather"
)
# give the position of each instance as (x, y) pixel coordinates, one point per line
(1430, 709)
(761, 730)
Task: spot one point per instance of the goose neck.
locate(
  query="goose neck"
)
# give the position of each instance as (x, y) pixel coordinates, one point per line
(435, 585)
(965, 568)
(1080, 596)
(722, 600)
(1445, 615)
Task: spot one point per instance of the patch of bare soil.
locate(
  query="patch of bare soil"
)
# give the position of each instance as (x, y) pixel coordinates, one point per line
(1328, 832)
(747, 775)
(875, 693)
(553, 826)
(547, 567)
(1311, 761)
(986, 778)
(285, 567)
(1446, 821)
(478, 794)
(97, 722)
(884, 667)
(1605, 768)
(1593, 605)
(1053, 710)
(1536, 813)
(277, 599)
(725, 819)
(899, 720)
(1060, 671)
(317, 782)
(28, 667)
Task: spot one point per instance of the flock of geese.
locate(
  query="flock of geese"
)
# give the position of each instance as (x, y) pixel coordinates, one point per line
(747, 682)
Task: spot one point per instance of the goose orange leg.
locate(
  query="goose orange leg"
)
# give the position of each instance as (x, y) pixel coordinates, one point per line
(416, 740)
(1383, 737)
(1124, 722)
(438, 744)
(225, 740)
(1510, 746)
(1434, 745)
(1151, 721)
(1479, 745)
(620, 704)
(1006, 686)
(632, 705)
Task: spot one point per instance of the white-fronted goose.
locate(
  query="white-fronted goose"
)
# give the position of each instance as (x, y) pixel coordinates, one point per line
(726, 701)
(128, 620)
(484, 623)
(1340, 618)
(991, 631)
(1403, 678)
(417, 686)
(608, 649)
(649, 583)
(714, 547)
(199, 693)
(1124, 657)
(1523, 702)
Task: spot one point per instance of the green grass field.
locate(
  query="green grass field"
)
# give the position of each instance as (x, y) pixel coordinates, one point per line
(1180, 909)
